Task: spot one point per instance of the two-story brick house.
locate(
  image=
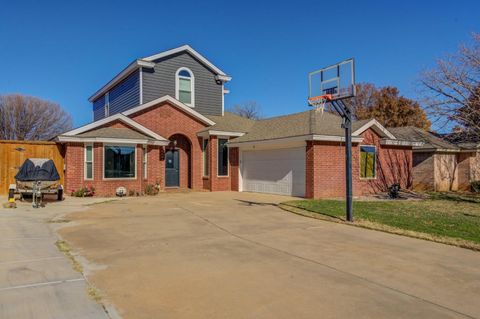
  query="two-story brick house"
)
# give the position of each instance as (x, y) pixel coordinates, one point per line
(163, 120)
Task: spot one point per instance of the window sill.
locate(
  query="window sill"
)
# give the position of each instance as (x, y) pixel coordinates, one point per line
(368, 178)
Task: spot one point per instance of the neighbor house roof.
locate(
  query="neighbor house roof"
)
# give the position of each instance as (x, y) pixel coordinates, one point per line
(462, 139)
(429, 140)
(312, 124)
(148, 62)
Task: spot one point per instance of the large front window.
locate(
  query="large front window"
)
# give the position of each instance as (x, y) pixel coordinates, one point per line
(367, 162)
(185, 83)
(222, 157)
(119, 161)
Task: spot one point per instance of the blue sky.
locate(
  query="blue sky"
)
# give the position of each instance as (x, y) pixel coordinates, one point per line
(64, 51)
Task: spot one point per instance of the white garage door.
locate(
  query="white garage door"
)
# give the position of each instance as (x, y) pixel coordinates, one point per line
(279, 171)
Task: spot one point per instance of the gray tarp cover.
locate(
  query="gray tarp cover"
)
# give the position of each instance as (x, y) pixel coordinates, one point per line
(37, 169)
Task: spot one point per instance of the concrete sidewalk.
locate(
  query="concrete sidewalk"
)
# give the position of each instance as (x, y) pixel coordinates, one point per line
(36, 280)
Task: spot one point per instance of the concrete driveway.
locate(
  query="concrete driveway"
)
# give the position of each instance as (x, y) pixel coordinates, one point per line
(237, 255)
(36, 280)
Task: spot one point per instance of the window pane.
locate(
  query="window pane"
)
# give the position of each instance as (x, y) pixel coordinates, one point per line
(184, 73)
(145, 155)
(89, 171)
(367, 161)
(119, 161)
(184, 85)
(205, 158)
(88, 157)
(185, 97)
(222, 157)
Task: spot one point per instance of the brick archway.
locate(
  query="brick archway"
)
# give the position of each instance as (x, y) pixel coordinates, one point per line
(183, 144)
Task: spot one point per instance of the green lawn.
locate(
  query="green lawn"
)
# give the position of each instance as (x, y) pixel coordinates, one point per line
(440, 216)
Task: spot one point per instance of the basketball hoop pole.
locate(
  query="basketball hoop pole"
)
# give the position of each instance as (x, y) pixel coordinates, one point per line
(346, 114)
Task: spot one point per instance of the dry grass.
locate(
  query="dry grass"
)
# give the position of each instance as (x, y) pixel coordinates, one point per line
(66, 250)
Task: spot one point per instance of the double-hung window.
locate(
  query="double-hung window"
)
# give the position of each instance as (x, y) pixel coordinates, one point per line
(145, 158)
(368, 162)
(205, 157)
(222, 157)
(106, 107)
(185, 87)
(88, 168)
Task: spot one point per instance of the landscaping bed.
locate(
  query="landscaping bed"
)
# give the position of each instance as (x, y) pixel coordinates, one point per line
(447, 218)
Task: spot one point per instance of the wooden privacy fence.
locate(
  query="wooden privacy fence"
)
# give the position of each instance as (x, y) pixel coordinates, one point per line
(14, 153)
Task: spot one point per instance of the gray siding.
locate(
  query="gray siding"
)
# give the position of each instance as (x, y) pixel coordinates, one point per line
(160, 81)
(98, 110)
(125, 94)
(122, 97)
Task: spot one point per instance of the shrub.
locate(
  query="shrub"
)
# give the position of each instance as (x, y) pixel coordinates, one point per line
(84, 192)
(131, 192)
(152, 189)
(475, 185)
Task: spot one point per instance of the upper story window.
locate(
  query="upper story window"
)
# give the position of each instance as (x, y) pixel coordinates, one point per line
(185, 86)
(106, 107)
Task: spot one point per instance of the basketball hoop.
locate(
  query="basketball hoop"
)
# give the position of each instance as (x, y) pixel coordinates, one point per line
(319, 102)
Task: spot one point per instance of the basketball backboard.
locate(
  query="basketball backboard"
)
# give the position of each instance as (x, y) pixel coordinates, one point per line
(337, 81)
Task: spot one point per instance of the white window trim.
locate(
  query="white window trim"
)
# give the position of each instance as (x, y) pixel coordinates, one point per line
(360, 163)
(120, 178)
(228, 159)
(85, 162)
(145, 161)
(106, 105)
(192, 85)
(203, 157)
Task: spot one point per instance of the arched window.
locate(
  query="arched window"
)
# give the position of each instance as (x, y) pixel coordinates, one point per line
(185, 86)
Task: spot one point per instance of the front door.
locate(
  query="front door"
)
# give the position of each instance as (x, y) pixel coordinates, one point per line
(172, 169)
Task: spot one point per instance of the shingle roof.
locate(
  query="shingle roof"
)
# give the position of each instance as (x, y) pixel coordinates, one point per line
(230, 122)
(110, 132)
(297, 124)
(418, 135)
(462, 139)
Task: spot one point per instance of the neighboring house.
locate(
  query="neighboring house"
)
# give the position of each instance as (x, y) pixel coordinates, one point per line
(162, 121)
(439, 165)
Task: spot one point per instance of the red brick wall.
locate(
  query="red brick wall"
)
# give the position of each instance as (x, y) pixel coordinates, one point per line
(74, 161)
(325, 168)
(219, 183)
(234, 162)
(167, 120)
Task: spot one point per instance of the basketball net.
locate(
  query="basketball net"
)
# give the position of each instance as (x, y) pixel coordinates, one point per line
(319, 102)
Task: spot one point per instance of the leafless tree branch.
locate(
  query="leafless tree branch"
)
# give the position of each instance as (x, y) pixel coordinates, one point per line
(29, 118)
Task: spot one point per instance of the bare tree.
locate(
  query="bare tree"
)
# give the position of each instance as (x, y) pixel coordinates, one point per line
(452, 89)
(30, 118)
(249, 110)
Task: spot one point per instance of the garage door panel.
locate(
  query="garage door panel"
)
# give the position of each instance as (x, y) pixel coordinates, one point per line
(274, 171)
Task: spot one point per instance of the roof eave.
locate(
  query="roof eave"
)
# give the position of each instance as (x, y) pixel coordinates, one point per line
(190, 50)
(120, 76)
(79, 139)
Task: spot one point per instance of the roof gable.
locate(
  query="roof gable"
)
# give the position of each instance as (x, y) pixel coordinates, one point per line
(190, 50)
(148, 62)
(117, 117)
